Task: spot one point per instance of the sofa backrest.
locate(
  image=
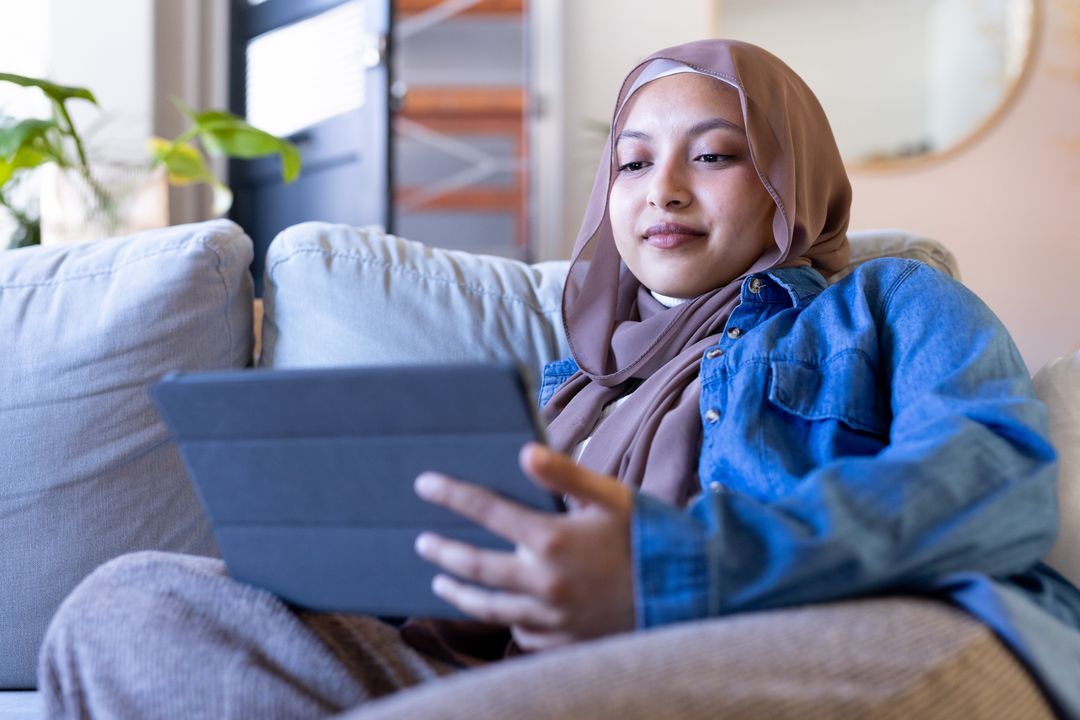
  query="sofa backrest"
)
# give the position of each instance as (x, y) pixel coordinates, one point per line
(1058, 385)
(338, 295)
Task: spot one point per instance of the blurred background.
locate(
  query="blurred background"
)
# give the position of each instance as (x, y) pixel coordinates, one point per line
(477, 124)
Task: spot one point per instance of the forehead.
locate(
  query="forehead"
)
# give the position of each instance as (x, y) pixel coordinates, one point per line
(683, 97)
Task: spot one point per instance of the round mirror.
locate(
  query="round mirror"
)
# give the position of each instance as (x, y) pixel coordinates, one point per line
(898, 80)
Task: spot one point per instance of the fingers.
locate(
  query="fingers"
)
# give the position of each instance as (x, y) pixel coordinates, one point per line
(508, 519)
(560, 474)
(492, 568)
(494, 606)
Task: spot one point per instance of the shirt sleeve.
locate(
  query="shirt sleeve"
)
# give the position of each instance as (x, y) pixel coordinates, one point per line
(966, 482)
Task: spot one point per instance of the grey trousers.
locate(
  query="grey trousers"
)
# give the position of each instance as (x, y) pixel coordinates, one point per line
(153, 635)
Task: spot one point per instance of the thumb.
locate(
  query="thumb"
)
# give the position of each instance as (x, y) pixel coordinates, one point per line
(561, 475)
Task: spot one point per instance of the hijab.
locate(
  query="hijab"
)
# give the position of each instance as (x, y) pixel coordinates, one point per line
(623, 339)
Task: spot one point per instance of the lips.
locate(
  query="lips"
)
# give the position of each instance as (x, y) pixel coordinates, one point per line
(671, 235)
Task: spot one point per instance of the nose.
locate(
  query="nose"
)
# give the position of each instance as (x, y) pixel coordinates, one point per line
(668, 187)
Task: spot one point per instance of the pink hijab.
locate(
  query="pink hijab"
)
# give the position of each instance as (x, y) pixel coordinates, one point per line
(623, 339)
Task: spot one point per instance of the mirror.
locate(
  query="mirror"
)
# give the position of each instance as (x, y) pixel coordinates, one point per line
(899, 80)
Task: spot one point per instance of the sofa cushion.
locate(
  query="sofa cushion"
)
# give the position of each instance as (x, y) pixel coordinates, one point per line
(87, 471)
(867, 245)
(337, 295)
(1058, 385)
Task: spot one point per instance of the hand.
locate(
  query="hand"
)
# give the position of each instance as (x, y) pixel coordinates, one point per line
(569, 577)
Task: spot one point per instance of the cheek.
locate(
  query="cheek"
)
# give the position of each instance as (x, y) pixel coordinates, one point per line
(618, 204)
(621, 215)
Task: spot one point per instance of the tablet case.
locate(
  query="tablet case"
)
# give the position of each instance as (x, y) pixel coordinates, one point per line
(307, 475)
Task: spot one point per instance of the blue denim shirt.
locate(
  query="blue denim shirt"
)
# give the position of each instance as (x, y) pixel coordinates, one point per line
(878, 435)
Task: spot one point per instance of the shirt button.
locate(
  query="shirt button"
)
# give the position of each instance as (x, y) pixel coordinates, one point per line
(713, 354)
(712, 415)
(715, 486)
(755, 285)
(734, 333)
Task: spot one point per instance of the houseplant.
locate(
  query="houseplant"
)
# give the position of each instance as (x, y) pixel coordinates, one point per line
(28, 144)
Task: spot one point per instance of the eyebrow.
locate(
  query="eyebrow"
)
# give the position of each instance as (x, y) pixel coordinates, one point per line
(701, 127)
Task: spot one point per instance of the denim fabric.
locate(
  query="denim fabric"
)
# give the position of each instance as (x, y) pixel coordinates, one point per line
(877, 435)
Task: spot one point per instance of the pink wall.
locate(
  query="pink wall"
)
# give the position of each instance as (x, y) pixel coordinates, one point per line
(1007, 206)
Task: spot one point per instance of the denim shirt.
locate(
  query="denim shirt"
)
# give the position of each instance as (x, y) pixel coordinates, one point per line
(877, 435)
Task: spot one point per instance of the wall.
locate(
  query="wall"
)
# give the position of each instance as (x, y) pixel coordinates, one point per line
(107, 46)
(1004, 205)
(893, 77)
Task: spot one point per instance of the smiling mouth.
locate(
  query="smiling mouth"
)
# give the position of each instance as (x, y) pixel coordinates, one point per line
(671, 235)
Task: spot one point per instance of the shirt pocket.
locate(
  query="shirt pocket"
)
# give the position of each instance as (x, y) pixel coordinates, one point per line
(817, 413)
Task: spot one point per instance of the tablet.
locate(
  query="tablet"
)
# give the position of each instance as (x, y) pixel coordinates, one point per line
(307, 475)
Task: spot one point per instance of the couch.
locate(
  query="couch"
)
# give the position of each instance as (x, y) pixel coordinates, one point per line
(87, 470)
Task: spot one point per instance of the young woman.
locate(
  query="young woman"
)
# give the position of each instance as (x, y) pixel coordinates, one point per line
(734, 436)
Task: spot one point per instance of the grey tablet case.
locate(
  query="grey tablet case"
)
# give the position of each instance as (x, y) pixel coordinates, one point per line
(307, 475)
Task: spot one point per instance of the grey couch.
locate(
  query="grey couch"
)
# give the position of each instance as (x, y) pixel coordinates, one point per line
(87, 469)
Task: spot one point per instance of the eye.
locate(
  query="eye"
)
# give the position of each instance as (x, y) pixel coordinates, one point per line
(715, 158)
(633, 166)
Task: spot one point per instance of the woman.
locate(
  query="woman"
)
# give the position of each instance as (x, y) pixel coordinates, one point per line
(733, 436)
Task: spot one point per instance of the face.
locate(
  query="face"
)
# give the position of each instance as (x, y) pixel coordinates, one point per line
(687, 208)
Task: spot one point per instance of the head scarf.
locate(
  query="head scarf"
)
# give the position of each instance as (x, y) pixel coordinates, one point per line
(624, 339)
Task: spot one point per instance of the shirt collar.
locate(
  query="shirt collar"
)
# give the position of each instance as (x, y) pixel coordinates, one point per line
(802, 284)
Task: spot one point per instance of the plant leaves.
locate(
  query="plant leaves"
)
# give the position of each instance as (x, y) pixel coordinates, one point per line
(25, 158)
(59, 93)
(228, 134)
(183, 161)
(187, 166)
(14, 138)
(235, 138)
(205, 116)
(29, 157)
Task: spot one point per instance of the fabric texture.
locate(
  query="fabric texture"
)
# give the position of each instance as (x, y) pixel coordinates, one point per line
(338, 295)
(1058, 385)
(121, 646)
(879, 658)
(87, 468)
(117, 649)
(622, 338)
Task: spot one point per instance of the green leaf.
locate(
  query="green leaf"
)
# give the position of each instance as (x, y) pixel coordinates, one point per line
(184, 163)
(59, 93)
(224, 133)
(29, 157)
(233, 137)
(22, 134)
(24, 159)
(206, 117)
(186, 166)
(236, 138)
(290, 161)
